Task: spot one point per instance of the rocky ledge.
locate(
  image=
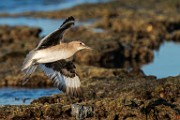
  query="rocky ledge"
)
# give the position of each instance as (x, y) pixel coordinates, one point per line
(119, 95)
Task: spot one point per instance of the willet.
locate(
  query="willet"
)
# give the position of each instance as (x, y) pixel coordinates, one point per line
(53, 55)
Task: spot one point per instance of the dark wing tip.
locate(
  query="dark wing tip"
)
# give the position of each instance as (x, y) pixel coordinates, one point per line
(70, 20)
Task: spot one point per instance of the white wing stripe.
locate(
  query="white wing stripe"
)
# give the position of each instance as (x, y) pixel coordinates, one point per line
(61, 81)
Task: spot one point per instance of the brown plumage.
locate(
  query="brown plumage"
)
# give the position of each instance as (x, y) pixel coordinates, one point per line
(52, 55)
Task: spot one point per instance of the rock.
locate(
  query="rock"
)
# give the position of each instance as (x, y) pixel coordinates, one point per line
(118, 97)
(53, 111)
(81, 112)
(19, 40)
(175, 36)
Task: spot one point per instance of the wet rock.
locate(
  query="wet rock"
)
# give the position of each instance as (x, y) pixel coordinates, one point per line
(53, 111)
(112, 50)
(123, 97)
(110, 95)
(15, 42)
(37, 80)
(175, 36)
(81, 112)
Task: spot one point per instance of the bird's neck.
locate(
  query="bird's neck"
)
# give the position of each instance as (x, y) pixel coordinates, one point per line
(67, 49)
(71, 48)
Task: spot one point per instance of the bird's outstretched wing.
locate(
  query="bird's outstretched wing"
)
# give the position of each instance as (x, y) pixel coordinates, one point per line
(56, 36)
(64, 76)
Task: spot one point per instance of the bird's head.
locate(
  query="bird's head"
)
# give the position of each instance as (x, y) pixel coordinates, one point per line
(78, 45)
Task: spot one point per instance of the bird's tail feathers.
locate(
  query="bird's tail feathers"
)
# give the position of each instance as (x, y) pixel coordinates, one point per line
(28, 60)
(28, 72)
(29, 66)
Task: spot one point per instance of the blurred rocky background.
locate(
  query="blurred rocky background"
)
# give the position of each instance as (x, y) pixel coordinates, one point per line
(124, 35)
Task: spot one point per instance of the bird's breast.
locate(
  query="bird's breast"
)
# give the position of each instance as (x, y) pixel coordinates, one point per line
(46, 56)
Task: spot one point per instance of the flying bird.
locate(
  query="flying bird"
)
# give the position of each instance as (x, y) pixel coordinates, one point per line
(53, 55)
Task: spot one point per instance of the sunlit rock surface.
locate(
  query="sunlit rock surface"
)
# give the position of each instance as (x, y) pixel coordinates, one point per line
(113, 97)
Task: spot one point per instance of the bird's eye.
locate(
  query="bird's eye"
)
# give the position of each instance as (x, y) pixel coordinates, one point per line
(81, 43)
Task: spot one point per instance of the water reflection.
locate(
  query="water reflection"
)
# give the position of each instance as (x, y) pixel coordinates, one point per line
(166, 61)
(47, 25)
(15, 96)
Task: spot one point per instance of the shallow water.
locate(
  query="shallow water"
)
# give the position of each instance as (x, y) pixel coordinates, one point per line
(166, 61)
(18, 6)
(47, 25)
(16, 96)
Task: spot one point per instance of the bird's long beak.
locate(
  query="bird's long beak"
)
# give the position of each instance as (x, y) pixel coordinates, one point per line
(89, 48)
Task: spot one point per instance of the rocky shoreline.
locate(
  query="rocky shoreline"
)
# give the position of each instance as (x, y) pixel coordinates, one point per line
(114, 97)
(131, 31)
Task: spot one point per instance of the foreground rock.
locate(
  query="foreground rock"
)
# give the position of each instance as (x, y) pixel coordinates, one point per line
(118, 96)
